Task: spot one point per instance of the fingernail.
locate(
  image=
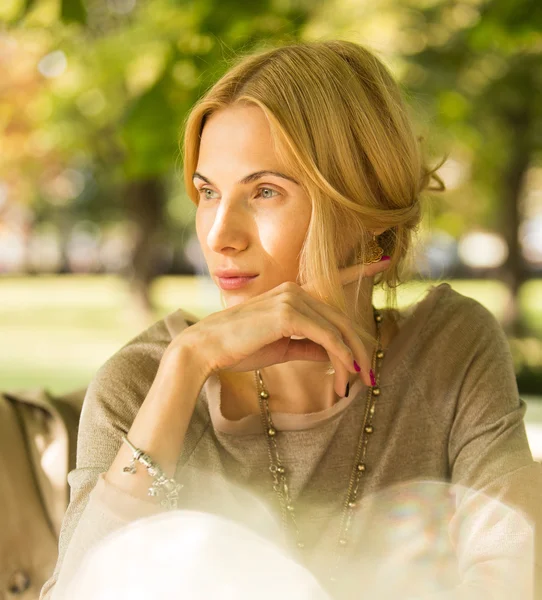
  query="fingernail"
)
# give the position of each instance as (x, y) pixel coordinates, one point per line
(347, 389)
(385, 257)
(373, 380)
(356, 366)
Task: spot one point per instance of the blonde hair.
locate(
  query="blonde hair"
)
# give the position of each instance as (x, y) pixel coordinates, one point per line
(339, 122)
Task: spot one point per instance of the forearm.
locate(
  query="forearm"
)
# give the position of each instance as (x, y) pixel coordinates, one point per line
(161, 423)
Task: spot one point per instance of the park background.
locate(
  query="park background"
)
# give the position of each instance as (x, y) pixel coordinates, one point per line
(97, 237)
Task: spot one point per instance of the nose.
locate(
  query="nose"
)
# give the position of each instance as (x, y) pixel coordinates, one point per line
(229, 227)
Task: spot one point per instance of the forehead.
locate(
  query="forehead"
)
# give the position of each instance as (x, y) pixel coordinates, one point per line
(237, 134)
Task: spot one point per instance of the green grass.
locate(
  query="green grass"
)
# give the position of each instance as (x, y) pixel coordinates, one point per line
(56, 331)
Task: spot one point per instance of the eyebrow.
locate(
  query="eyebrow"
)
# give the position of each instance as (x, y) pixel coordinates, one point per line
(250, 178)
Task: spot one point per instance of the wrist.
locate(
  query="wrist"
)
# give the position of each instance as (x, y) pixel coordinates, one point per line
(186, 355)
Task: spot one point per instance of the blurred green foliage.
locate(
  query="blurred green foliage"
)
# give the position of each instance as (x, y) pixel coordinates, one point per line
(471, 69)
(116, 111)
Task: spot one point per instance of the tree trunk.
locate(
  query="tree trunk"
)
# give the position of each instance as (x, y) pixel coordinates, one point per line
(145, 201)
(514, 272)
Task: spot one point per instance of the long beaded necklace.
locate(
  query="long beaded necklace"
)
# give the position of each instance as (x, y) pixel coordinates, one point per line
(278, 471)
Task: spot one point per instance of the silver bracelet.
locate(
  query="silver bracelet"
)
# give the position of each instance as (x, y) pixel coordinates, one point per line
(161, 485)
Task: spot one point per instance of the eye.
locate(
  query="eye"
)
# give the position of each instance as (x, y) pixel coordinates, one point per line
(262, 189)
(203, 190)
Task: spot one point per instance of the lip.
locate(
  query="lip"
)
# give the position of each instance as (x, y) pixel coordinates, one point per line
(233, 273)
(234, 283)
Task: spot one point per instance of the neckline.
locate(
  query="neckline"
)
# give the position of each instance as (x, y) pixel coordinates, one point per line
(394, 354)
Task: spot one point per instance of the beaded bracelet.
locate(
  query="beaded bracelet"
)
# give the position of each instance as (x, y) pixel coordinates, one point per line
(161, 484)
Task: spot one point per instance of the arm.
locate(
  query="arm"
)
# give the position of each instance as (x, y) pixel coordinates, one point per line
(497, 525)
(143, 392)
(161, 423)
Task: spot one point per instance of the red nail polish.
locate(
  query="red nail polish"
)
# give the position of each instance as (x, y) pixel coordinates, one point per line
(373, 380)
(356, 366)
(385, 257)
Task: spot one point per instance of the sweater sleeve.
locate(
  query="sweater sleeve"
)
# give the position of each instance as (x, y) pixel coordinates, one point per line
(496, 529)
(96, 507)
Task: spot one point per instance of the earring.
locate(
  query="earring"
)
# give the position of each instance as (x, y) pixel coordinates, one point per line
(373, 253)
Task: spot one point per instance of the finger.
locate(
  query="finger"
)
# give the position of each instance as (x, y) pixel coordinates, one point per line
(299, 319)
(354, 272)
(347, 331)
(342, 377)
(342, 367)
(305, 349)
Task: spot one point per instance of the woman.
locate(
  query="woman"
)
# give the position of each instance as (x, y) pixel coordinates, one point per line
(305, 173)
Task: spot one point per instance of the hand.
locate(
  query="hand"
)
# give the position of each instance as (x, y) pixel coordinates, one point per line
(256, 333)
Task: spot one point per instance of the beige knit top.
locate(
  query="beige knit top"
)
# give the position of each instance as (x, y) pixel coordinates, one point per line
(448, 423)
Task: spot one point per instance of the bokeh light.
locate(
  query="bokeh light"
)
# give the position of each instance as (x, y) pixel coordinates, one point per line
(53, 64)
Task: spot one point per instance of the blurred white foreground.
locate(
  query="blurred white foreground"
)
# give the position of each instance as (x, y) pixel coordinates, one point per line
(409, 541)
(191, 555)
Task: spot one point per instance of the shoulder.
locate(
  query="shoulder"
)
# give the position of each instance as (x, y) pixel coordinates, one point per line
(449, 329)
(120, 385)
(144, 351)
(462, 358)
(467, 352)
(462, 319)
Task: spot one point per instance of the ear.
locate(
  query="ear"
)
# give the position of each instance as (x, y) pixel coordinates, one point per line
(380, 231)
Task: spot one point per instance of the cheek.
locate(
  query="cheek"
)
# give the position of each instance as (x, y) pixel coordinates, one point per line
(282, 242)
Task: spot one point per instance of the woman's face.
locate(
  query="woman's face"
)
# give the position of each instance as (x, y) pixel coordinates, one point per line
(256, 226)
